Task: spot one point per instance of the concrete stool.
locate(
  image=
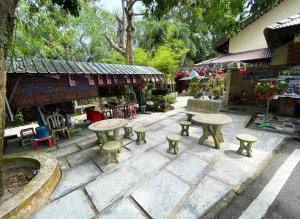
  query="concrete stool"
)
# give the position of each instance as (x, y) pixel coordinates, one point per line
(246, 142)
(128, 131)
(141, 135)
(173, 143)
(111, 148)
(185, 125)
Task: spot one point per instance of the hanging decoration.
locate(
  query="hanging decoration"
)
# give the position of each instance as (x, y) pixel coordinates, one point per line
(72, 82)
(90, 79)
(100, 80)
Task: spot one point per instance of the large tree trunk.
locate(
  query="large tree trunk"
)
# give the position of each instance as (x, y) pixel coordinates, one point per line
(7, 16)
(129, 31)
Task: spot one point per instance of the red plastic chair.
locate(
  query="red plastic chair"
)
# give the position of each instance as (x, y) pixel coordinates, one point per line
(118, 112)
(132, 111)
(94, 116)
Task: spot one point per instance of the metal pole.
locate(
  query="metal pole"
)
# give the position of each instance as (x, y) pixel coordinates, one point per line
(9, 110)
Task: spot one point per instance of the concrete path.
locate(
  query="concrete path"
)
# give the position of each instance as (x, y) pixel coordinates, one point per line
(151, 183)
(275, 193)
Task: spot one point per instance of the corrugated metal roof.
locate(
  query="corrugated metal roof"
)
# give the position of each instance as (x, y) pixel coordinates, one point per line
(282, 31)
(46, 66)
(291, 21)
(242, 56)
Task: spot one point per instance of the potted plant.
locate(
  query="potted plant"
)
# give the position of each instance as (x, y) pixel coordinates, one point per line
(266, 90)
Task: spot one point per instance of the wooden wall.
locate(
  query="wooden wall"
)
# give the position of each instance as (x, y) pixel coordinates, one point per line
(240, 83)
(36, 90)
(294, 54)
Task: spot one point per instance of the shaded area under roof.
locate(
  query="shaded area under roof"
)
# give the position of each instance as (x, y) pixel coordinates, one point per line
(47, 66)
(258, 54)
(282, 31)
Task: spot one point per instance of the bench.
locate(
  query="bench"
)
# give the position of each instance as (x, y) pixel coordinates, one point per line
(195, 106)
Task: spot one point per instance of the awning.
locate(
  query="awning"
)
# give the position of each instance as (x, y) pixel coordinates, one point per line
(252, 55)
(47, 66)
(282, 31)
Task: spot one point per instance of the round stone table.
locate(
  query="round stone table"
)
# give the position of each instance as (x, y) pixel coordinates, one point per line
(211, 125)
(103, 127)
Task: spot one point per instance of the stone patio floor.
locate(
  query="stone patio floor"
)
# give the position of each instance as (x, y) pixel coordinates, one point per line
(149, 182)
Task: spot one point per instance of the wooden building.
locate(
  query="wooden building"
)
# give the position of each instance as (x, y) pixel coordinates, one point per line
(36, 82)
(265, 47)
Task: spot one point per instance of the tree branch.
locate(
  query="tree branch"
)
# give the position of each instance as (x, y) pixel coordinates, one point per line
(132, 3)
(114, 45)
(139, 14)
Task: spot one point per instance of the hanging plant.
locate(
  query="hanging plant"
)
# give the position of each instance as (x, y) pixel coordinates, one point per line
(201, 73)
(179, 75)
(243, 71)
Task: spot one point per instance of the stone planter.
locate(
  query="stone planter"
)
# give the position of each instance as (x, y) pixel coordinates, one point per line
(37, 192)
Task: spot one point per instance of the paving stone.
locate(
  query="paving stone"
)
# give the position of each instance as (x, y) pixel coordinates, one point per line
(188, 167)
(157, 137)
(83, 156)
(167, 122)
(48, 149)
(162, 148)
(207, 193)
(91, 135)
(65, 151)
(126, 141)
(138, 149)
(149, 162)
(258, 155)
(101, 160)
(88, 142)
(73, 205)
(74, 177)
(63, 164)
(69, 142)
(231, 172)
(205, 152)
(155, 127)
(110, 186)
(160, 195)
(174, 128)
(123, 209)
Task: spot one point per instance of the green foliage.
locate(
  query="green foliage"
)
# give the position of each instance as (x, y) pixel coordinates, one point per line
(18, 120)
(166, 60)
(141, 57)
(113, 57)
(44, 31)
(170, 99)
(193, 87)
(223, 17)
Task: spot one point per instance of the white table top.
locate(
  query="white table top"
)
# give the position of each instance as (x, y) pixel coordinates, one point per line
(211, 119)
(108, 125)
